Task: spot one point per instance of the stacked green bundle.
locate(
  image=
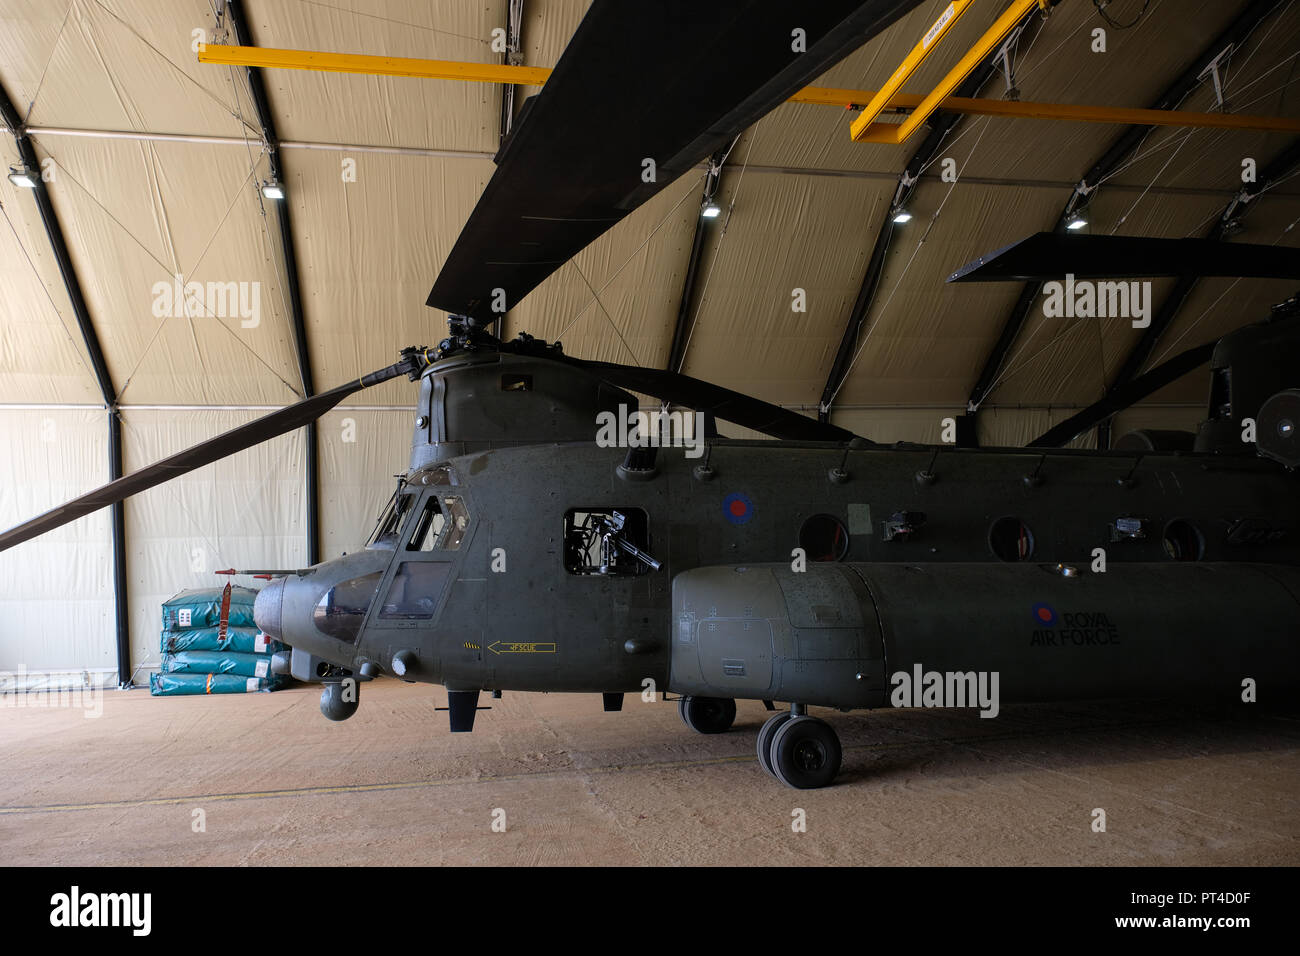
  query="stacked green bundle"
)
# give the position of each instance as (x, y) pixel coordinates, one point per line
(210, 645)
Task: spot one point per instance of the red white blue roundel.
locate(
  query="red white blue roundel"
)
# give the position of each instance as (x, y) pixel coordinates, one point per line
(737, 508)
(1044, 615)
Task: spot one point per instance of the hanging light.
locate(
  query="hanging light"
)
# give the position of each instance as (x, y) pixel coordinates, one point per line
(273, 189)
(711, 210)
(1077, 223)
(901, 216)
(22, 176)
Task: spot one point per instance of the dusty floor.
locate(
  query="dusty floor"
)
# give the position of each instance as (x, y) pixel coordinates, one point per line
(279, 784)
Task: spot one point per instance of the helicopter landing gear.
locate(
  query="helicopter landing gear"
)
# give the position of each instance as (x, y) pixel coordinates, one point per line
(339, 700)
(765, 735)
(707, 715)
(802, 752)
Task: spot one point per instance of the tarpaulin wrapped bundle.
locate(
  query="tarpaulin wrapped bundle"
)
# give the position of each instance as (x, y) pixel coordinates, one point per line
(201, 607)
(166, 685)
(218, 662)
(211, 646)
(241, 640)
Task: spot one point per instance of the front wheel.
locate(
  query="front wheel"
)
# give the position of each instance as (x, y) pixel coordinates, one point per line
(805, 753)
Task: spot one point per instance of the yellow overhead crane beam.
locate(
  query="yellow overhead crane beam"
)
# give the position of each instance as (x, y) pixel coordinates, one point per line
(933, 37)
(866, 130)
(275, 59)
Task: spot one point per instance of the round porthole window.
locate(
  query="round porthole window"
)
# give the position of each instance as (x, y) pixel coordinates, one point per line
(824, 538)
(1183, 541)
(1011, 540)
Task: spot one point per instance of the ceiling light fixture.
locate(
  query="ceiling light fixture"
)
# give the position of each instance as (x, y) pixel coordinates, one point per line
(711, 210)
(902, 215)
(1076, 224)
(22, 176)
(273, 189)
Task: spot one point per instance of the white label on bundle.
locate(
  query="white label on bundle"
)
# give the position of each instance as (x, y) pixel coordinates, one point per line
(251, 686)
(260, 669)
(261, 643)
(184, 615)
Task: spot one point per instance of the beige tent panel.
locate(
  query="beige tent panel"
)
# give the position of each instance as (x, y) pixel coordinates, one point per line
(56, 600)
(42, 357)
(120, 65)
(245, 512)
(782, 282)
(134, 214)
(925, 338)
(617, 300)
(382, 110)
(368, 252)
(360, 452)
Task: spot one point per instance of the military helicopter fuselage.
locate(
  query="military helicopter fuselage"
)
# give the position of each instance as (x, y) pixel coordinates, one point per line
(798, 571)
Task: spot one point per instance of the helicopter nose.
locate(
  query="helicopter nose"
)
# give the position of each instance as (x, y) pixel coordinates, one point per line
(267, 608)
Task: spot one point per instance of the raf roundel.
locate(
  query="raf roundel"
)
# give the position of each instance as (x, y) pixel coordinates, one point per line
(1044, 615)
(737, 508)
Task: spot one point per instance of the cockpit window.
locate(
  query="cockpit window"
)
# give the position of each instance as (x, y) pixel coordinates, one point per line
(429, 527)
(457, 522)
(390, 524)
(340, 611)
(413, 595)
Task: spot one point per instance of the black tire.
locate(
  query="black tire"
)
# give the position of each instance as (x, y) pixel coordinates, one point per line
(765, 735)
(806, 753)
(707, 715)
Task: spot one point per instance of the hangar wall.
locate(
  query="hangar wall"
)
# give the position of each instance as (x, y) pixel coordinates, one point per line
(56, 592)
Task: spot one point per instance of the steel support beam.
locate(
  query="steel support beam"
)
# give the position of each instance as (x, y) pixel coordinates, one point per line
(685, 306)
(1118, 151)
(513, 56)
(72, 285)
(941, 124)
(266, 120)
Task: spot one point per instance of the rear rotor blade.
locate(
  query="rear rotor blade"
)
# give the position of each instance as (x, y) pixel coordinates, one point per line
(1121, 398)
(724, 403)
(1053, 255)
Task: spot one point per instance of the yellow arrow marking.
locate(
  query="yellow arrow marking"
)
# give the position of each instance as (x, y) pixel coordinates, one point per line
(499, 647)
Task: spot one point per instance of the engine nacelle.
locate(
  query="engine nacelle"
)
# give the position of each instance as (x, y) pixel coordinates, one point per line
(767, 632)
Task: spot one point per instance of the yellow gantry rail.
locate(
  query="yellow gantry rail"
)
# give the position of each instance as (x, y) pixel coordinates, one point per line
(866, 130)
(275, 59)
(933, 37)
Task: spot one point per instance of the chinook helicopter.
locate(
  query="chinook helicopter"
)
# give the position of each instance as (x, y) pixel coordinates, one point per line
(519, 553)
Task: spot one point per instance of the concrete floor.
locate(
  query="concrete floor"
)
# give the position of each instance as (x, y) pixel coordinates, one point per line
(279, 784)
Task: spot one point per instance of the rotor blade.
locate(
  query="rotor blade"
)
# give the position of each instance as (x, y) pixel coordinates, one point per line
(642, 93)
(724, 403)
(1053, 255)
(237, 439)
(1121, 398)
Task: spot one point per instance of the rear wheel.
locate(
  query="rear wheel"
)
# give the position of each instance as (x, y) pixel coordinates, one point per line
(707, 715)
(805, 753)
